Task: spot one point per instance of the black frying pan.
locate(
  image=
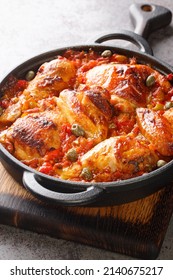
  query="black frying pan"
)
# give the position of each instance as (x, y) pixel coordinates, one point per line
(147, 19)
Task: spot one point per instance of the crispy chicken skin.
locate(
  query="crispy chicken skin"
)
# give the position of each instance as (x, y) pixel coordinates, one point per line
(33, 135)
(84, 117)
(88, 109)
(157, 129)
(126, 81)
(121, 80)
(52, 77)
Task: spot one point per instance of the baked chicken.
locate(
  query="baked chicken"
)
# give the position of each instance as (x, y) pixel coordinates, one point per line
(51, 78)
(114, 158)
(85, 117)
(129, 82)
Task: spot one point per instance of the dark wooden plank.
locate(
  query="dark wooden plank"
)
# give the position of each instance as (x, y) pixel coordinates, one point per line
(136, 229)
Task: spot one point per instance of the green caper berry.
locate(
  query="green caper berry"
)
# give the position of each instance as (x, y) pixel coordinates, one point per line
(72, 155)
(150, 81)
(30, 75)
(161, 163)
(86, 174)
(77, 130)
(106, 53)
(168, 105)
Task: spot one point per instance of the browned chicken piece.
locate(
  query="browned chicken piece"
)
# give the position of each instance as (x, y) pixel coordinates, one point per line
(51, 78)
(128, 82)
(87, 109)
(115, 158)
(157, 129)
(33, 135)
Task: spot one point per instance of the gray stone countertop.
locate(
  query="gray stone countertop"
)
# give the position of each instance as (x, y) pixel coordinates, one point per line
(28, 28)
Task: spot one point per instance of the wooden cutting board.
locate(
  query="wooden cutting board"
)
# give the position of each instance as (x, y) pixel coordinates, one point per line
(136, 229)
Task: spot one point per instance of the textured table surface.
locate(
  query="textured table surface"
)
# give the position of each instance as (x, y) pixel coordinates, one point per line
(28, 28)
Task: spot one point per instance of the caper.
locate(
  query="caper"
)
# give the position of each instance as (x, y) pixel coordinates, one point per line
(106, 53)
(77, 130)
(86, 174)
(30, 75)
(168, 105)
(72, 155)
(161, 163)
(150, 81)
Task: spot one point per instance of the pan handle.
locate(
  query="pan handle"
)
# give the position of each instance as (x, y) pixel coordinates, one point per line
(128, 36)
(87, 196)
(147, 18)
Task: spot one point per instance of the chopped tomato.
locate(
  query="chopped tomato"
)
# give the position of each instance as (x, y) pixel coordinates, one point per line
(53, 155)
(66, 129)
(170, 77)
(21, 84)
(46, 168)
